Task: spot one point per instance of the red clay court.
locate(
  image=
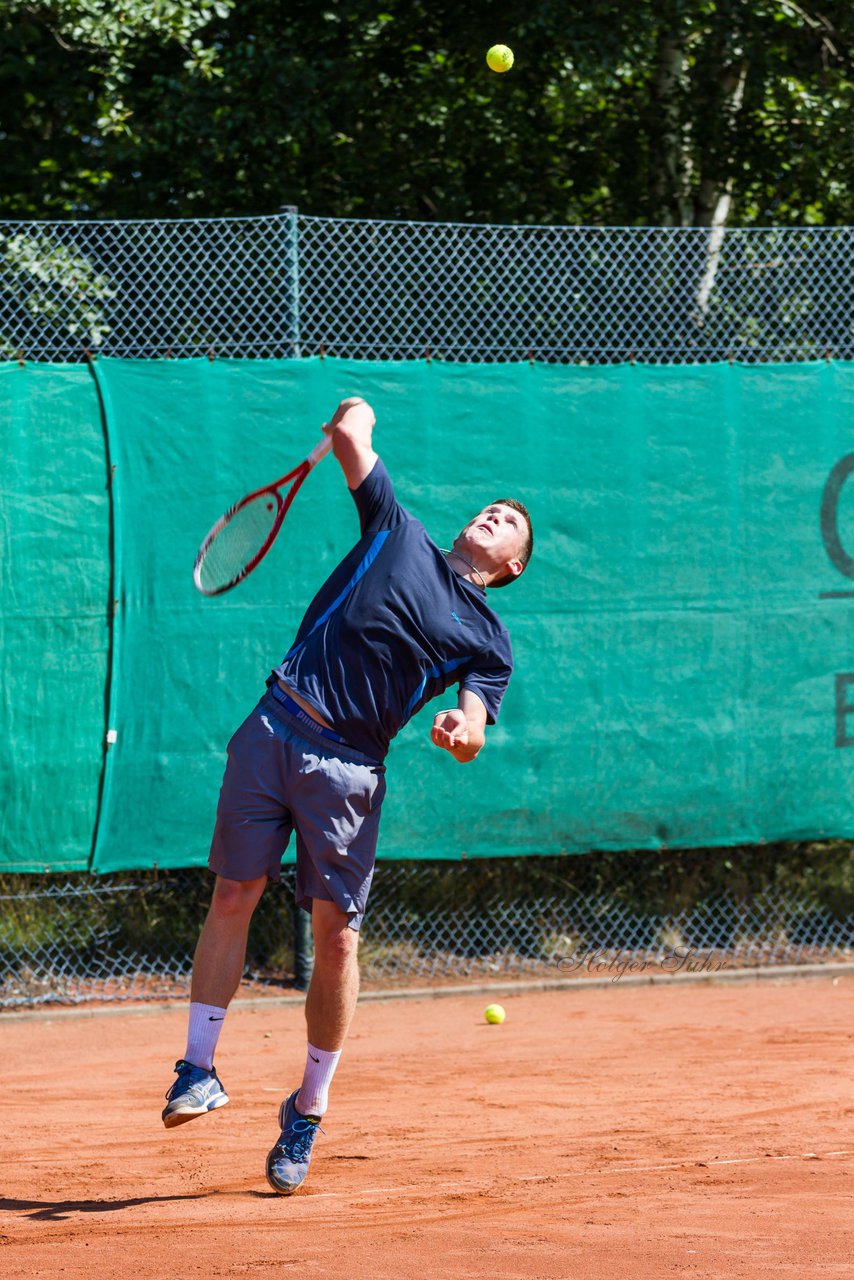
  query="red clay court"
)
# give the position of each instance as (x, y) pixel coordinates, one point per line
(655, 1131)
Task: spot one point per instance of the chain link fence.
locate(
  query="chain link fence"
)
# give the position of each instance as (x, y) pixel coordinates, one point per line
(132, 936)
(289, 285)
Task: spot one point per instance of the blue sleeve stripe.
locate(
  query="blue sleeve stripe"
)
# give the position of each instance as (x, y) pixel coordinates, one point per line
(443, 669)
(364, 565)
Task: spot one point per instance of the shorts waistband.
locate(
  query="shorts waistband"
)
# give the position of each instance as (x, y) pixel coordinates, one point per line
(304, 718)
(312, 732)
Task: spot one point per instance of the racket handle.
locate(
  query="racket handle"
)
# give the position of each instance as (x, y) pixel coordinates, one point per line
(319, 451)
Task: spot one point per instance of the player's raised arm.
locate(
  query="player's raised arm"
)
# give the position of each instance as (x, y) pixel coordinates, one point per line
(351, 428)
(462, 730)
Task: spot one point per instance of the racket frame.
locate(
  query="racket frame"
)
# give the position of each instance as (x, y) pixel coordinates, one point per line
(297, 475)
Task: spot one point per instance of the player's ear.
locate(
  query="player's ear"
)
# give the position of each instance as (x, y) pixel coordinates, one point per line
(514, 568)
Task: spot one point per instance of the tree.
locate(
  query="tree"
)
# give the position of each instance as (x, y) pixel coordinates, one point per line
(734, 86)
(678, 112)
(64, 69)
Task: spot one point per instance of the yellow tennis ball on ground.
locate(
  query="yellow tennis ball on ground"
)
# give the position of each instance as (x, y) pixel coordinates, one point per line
(499, 58)
(494, 1013)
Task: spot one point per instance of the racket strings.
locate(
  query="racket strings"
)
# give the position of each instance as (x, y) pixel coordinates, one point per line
(240, 542)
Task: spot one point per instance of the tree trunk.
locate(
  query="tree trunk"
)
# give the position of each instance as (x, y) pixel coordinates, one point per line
(670, 155)
(714, 196)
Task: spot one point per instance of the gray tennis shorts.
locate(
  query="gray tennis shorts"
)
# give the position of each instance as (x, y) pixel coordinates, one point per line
(282, 776)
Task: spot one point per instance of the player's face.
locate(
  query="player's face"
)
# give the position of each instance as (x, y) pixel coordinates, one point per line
(497, 537)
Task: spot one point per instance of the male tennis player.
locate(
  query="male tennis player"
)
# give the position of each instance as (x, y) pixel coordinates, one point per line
(397, 622)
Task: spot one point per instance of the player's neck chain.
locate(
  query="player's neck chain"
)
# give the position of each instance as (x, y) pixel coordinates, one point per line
(468, 562)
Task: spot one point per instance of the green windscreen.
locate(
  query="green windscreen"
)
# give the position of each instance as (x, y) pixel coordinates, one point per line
(54, 636)
(684, 663)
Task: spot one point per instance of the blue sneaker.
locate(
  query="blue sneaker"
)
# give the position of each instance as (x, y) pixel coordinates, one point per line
(287, 1163)
(194, 1093)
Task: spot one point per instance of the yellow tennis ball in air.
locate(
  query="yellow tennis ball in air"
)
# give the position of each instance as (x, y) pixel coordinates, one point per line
(494, 1013)
(499, 58)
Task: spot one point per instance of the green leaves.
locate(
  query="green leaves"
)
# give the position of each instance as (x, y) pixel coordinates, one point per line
(111, 35)
(612, 113)
(51, 281)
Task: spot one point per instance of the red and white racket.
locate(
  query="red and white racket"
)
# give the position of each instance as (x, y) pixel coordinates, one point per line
(241, 538)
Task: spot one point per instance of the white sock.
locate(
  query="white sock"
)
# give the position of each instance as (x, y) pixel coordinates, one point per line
(205, 1025)
(313, 1097)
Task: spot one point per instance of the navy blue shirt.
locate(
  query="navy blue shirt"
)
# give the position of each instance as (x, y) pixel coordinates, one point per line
(392, 627)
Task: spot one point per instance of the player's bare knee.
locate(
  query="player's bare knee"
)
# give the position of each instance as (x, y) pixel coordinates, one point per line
(236, 898)
(335, 945)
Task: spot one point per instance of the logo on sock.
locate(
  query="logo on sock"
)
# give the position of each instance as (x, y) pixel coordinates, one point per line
(311, 1055)
(211, 1018)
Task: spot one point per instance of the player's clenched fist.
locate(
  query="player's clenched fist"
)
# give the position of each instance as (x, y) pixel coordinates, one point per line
(450, 730)
(353, 413)
(351, 428)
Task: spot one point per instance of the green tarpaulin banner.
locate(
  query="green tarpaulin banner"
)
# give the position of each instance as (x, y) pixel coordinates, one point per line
(683, 636)
(54, 626)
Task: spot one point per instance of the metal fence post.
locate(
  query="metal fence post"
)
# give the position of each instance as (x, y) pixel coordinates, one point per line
(292, 265)
(303, 948)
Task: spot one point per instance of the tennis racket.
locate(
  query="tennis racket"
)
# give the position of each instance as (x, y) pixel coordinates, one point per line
(241, 538)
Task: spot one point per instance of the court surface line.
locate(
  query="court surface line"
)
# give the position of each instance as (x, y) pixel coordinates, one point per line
(576, 1173)
(157, 1005)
